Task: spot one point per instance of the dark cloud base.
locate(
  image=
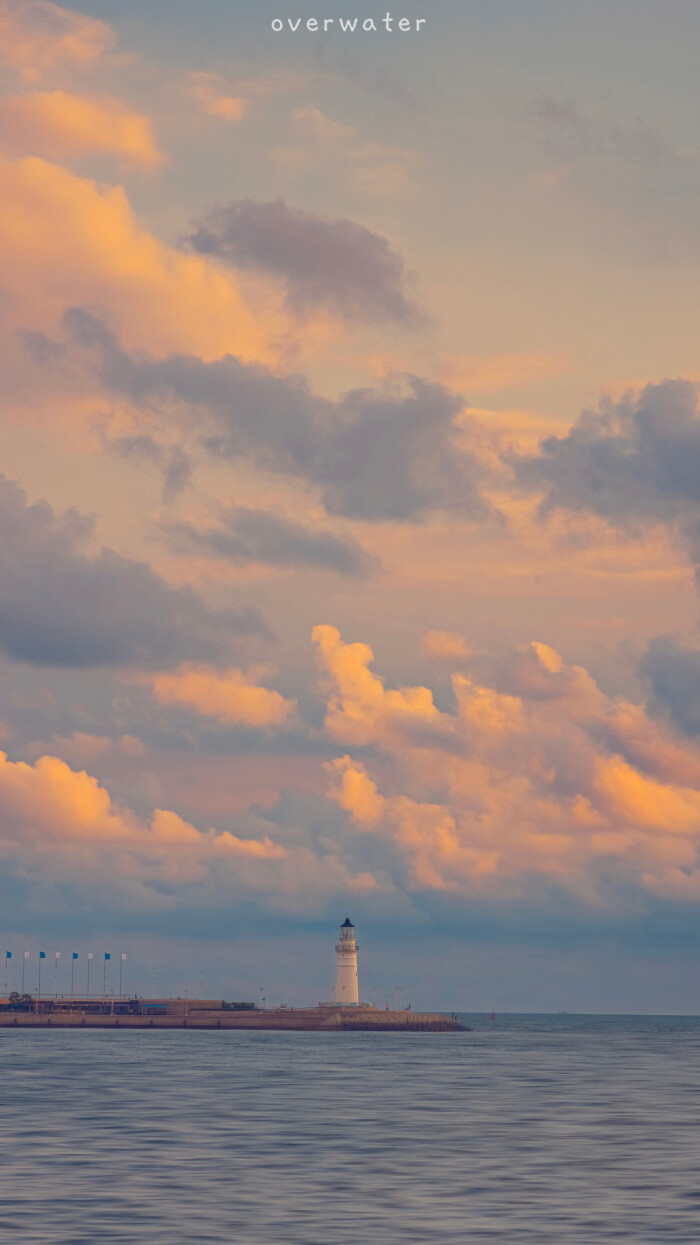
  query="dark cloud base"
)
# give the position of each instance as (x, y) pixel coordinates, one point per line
(247, 535)
(61, 606)
(373, 454)
(336, 265)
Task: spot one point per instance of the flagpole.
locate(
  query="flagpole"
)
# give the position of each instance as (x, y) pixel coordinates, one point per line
(89, 954)
(25, 957)
(7, 965)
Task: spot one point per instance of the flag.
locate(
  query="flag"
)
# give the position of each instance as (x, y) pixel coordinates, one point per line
(107, 955)
(90, 955)
(75, 955)
(123, 955)
(8, 955)
(26, 955)
(42, 955)
(58, 955)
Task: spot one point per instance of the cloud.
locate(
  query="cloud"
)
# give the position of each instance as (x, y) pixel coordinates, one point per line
(359, 705)
(672, 673)
(108, 259)
(635, 459)
(379, 169)
(230, 696)
(633, 462)
(485, 373)
(374, 454)
(207, 90)
(322, 128)
(355, 792)
(263, 536)
(634, 798)
(332, 264)
(558, 782)
(37, 37)
(70, 844)
(51, 806)
(172, 461)
(80, 748)
(60, 605)
(59, 126)
(619, 173)
(538, 672)
(232, 101)
(447, 644)
(508, 797)
(574, 135)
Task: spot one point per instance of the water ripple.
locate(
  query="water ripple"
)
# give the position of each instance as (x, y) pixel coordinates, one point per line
(527, 1132)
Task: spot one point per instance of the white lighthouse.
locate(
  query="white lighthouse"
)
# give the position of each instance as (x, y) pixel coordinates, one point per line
(346, 991)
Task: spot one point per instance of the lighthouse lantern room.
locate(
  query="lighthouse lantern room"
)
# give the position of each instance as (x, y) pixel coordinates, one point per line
(346, 989)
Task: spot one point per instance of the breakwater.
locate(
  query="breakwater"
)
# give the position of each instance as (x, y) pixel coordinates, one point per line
(313, 1019)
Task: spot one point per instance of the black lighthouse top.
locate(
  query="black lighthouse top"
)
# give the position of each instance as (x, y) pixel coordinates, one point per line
(347, 923)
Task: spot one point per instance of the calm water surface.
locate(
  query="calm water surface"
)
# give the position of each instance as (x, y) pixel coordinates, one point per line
(531, 1129)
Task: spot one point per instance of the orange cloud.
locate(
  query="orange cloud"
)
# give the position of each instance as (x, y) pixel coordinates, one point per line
(37, 37)
(206, 89)
(230, 696)
(487, 373)
(556, 780)
(56, 798)
(638, 800)
(60, 826)
(355, 792)
(266, 849)
(60, 126)
(649, 749)
(488, 711)
(231, 102)
(359, 704)
(445, 644)
(69, 241)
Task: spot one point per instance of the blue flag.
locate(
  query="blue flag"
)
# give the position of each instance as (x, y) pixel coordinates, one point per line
(75, 955)
(42, 955)
(107, 955)
(8, 955)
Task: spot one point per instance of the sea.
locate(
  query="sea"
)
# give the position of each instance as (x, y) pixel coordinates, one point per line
(528, 1129)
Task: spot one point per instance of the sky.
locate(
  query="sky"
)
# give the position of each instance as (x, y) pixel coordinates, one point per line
(350, 499)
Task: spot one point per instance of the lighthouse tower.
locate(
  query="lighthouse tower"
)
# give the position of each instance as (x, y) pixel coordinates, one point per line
(346, 992)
